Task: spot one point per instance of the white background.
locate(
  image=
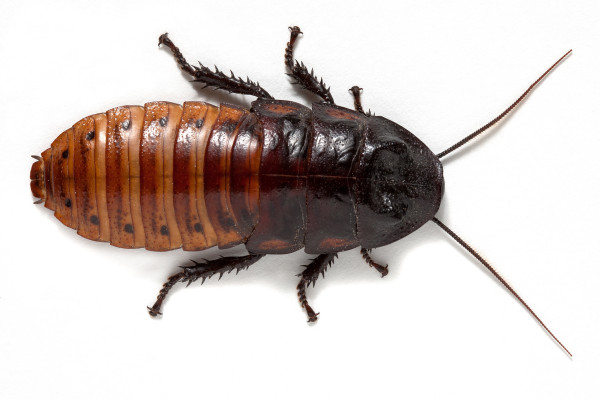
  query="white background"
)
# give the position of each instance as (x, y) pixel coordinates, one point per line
(73, 322)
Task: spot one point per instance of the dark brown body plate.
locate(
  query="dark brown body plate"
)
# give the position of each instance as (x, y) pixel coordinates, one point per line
(334, 179)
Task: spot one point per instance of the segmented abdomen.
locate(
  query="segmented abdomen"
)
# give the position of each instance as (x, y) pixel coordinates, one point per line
(160, 176)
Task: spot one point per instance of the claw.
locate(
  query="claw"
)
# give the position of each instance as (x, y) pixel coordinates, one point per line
(295, 30)
(313, 317)
(163, 38)
(153, 312)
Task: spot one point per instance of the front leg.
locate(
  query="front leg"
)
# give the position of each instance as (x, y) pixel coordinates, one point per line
(367, 257)
(310, 275)
(355, 90)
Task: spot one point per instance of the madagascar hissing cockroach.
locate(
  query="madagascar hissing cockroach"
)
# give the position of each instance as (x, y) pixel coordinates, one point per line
(277, 177)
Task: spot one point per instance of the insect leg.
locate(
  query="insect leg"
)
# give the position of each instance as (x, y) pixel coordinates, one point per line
(217, 79)
(355, 90)
(310, 275)
(203, 271)
(367, 257)
(299, 72)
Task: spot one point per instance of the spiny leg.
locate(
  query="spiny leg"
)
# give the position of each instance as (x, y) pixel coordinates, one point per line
(367, 257)
(310, 275)
(355, 90)
(217, 79)
(202, 271)
(299, 72)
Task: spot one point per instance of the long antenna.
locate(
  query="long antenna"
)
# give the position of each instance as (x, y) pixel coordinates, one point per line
(503, 114)
(498, 276)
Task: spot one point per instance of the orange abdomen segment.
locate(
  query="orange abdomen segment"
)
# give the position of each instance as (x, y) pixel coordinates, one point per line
(117, 177)
(47, 168)
(196, 232)
(59, 171)
(137, 122)
(170, 136)
(206, 127)
(217, 165)
(152, 166)
(84, 177)
(100, 122)
(158, 177)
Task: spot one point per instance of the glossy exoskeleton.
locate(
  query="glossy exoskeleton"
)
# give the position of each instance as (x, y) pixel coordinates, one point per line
(277, 178)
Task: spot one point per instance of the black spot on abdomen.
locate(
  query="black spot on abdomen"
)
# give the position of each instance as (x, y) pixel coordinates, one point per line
(226, 221)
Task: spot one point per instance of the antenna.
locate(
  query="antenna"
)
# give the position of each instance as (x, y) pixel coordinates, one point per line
(503, 114)
(498, 276)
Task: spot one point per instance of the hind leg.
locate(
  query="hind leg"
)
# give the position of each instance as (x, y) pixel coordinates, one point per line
(217, 79)
(299, 72)
(202, 271)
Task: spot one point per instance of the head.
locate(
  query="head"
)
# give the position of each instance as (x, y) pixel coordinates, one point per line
(400, 184)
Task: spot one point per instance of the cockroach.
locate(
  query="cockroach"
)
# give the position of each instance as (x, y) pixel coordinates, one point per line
(277, 177)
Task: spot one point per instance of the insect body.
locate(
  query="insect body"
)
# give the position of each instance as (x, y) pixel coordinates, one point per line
(277, 177)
